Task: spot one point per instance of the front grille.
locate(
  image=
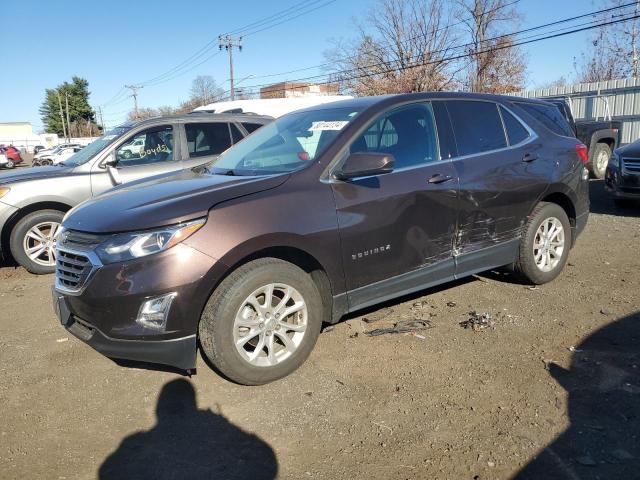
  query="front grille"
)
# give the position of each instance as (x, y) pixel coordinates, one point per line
(72, 270)
(631, 165)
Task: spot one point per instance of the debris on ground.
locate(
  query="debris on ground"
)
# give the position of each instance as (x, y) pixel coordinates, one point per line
(64, 339)
(354, 335)
(477, 321)
(403, 326)
(328, 329)
(379, 315)
(532, 287)
(575, 350)
(604, 311)
(451, 304)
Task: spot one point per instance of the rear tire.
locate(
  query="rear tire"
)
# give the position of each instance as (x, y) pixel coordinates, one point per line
(238, 309)
(10, 164)
(544, 249)
(19, 242)
(599, 160)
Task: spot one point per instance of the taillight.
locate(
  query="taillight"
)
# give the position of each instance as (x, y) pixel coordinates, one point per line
(583, 152)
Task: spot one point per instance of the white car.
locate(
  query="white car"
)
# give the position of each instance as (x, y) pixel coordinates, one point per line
(273, 107)
(5, 162)
(53, 150)
(60, 155)
(132, 150)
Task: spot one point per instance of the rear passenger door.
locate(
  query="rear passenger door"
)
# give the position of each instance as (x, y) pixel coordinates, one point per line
(501, 174)
(204, 141)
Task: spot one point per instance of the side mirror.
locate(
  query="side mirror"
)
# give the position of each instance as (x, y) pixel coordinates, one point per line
(111, 161)
(365, 164)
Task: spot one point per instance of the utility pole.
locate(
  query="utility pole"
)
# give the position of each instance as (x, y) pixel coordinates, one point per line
(229, 43)
(634, 43)
(66, 97)
(134, 94)
(64, 129)
(101, 120)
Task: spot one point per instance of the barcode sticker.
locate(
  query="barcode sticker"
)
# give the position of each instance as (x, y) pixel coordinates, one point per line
(335, 125)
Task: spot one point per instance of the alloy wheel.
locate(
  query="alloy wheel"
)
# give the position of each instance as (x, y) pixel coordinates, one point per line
(549, 244)
(270, 324)
(40, 243)
(601, 161)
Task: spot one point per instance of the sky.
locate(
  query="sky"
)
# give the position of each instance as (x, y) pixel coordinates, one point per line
(119, 42)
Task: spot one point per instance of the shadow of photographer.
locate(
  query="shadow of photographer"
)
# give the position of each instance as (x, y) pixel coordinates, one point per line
(603, 384)
(189, 443)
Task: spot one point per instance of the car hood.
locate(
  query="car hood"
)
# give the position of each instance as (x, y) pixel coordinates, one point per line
(631, 149)
(34, 173)
(162, 201)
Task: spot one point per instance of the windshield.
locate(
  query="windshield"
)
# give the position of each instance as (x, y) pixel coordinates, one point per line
(87, 153)
(290, 143)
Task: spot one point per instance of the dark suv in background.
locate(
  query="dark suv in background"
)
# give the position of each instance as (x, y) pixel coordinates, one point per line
(323, 212)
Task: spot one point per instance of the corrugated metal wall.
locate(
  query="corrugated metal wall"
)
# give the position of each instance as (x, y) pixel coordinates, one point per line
(588, 102)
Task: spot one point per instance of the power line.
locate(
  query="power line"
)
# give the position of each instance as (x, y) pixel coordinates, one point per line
(457, 47)
(273, 17)
(466, 55)
(288, 19)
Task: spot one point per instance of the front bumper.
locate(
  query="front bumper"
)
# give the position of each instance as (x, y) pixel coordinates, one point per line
(176, 352)
(621, 184)
(103, 314)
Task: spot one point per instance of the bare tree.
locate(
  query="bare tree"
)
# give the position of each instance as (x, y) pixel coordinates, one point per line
(401, 47)
(613, 51)
(495, 65)
(204, 90)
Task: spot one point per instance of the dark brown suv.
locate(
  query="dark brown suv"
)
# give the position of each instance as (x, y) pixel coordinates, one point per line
(323, 212)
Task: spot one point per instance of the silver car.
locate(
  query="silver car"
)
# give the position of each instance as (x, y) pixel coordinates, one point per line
(33, 201)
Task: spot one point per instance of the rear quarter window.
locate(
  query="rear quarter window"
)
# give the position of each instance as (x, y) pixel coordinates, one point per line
(516, 132)
(549, 116)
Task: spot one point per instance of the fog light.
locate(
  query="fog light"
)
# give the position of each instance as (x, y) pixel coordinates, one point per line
(154, 312)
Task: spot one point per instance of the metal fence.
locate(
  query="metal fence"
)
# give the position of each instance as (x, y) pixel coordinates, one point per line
(617, 99)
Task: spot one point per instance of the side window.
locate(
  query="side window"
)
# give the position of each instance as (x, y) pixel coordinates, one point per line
(408, 133)
(149, 146)
(515, 130)
(251, 127)
(477, 126)
(236, 134)
(207, 138)
(549, 116)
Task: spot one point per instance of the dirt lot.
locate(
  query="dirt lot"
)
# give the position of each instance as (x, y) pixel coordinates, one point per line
(550, 390)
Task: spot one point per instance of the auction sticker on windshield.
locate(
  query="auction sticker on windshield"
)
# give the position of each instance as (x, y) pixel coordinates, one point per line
(335, 125)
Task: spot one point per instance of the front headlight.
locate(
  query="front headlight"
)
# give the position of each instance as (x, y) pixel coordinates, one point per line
(4, 191)
(126, 246)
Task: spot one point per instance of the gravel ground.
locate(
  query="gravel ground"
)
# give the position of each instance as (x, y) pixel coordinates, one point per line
(548, 387)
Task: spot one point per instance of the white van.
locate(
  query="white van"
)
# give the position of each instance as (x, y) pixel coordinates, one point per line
(273, 107)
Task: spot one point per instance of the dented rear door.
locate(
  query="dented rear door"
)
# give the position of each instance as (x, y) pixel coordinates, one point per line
(501, 178)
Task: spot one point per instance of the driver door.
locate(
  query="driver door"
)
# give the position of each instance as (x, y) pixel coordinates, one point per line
(143, 154)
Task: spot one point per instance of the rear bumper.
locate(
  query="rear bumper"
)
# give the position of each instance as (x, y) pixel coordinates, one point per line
(175, 352)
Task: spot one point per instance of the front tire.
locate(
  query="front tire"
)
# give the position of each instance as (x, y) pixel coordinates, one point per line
(545, 245)
(262, 322)
(10, 164)
(32, 241)
(599, 160)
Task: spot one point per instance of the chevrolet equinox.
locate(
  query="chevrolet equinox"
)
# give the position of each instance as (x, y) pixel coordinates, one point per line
(323, 212)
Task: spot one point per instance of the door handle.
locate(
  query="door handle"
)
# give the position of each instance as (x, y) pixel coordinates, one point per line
(437, 178)
(529, 157)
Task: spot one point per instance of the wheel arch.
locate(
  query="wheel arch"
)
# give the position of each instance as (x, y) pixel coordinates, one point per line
(288, 253)
(23, 212)
(564, 201)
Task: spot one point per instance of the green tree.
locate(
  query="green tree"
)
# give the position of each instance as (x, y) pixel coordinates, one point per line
(81, 115)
